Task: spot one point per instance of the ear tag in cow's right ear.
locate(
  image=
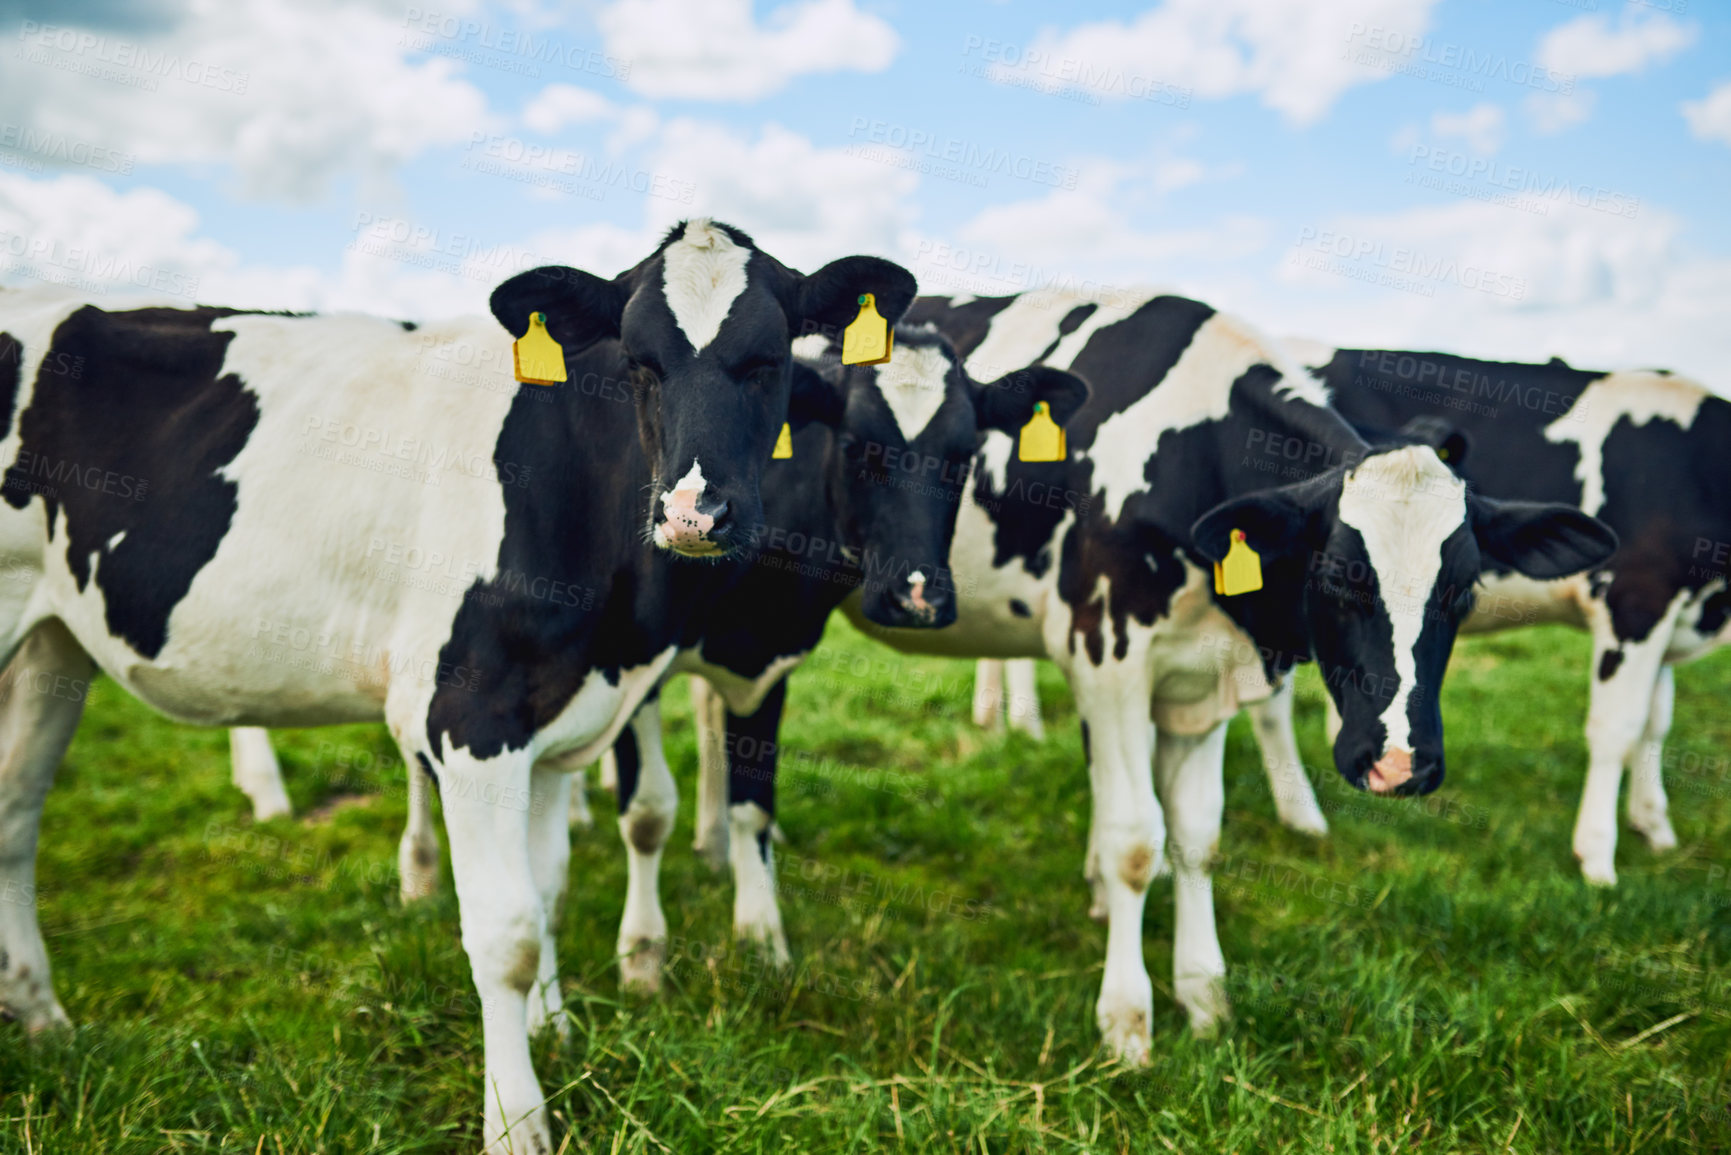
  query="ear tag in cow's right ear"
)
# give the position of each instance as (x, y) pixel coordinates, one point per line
(867, 340)
(1041, 439)
(783, 444)
(1241, 571)
(536, 356)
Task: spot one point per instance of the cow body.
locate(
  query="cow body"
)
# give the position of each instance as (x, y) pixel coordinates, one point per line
(1643, 451)
(232, 515)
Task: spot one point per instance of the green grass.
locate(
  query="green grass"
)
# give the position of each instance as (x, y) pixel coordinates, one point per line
(1430, 979)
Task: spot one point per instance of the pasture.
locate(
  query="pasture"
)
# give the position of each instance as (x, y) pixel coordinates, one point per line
(1434, 977)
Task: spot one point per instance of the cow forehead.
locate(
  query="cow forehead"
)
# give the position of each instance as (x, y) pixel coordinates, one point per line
(913, 384)
(703, 273)
(1404, 504)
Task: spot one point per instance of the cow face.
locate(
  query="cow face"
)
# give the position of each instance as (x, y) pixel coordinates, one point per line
(1394, 548)
(905, 435)
(704, 328)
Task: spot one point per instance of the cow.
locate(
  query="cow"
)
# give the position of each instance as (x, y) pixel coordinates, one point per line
(1643, 451)
(234, 515)
(1102, 563)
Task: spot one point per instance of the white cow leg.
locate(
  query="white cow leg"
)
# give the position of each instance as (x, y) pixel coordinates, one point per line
(1023, 696)
(418, 849)
(756, 913)
(1649, 809)
(709, 716)
(550, 862)
(989, 694)
(578, 815)
(256, 772)
(1294, 800)
(1616, 718)
(1190, 772)
(1331, 722)
(1091, 860)
(1129, 841)
(42, 695)
(608, 775)
(648, 805)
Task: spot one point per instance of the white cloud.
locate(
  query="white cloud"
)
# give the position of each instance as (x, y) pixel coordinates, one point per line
(1296, 56)
(291, 95)
(560, 104)
(1552, 112)
(1480, 127)
(715, 50)
(1589, 46)
(1710, 117)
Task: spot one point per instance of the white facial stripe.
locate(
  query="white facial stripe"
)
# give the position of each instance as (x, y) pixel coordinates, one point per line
(912, 384)
(703, 273)
(691, 483)
(1404, 504)
(1638, 396)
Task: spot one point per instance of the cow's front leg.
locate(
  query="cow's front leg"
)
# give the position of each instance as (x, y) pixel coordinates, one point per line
(1649, 809)
(648, 804)
(1022, 697)
(751, 760)
(550, 860)
(989, 693)
(418, 849)
(1190, 773)
(1129, 835)
(256, 772)
(1294, 800)
(504, 929)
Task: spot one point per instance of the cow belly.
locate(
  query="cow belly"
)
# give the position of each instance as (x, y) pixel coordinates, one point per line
(1506, 602)
(1205, 667)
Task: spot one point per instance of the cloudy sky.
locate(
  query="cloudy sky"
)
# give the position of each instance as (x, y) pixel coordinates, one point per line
(1520, 178)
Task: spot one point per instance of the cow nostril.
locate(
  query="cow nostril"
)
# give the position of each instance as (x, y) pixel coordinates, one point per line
(717, 514)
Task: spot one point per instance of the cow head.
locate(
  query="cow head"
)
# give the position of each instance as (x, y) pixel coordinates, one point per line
(905, 433)
(705, 327)
(1389, 552)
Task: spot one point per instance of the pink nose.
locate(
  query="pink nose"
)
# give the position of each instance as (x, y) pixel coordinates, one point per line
(1393, 768)
(686, 528)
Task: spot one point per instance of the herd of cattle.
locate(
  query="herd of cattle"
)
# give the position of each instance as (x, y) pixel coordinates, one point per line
(252, 471)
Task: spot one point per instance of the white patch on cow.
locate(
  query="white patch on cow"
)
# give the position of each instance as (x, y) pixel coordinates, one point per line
(995, 459)
(1404, 505)
(692, 483)
(1310, 354)
(116, 540)
(1028, 326)
(1638, 396)
(913, 386)
(811, 347)
(703, 273)
(964, 299)
(916, 576)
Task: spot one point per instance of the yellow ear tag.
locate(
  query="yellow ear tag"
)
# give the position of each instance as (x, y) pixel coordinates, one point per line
(783, 444)
(1241, 572)
(1042, 439)
(536, 356)
(867, 340)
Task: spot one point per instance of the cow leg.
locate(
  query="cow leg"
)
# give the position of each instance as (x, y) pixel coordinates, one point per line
(750, 816)
(989, 694)
(648, 804)
(1649, 809)
(1024, 698)
(1625, 676)
(709, 714)
(42, 695)
(1294, 800)
(256, 772)
(1129, 835)
(550, 862)
(609, 773)
(1190, 770)
(577, 815)
(418, 849)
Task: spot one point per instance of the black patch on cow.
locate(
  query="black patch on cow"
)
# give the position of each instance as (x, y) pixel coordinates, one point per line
(1609, 663)
(1087, 747)
(130, 421)
(1020, 608)
(11, 373)
(628, 761)
(965, 325)
(427, 766)
(408, 326)
(1715, 611)
(751, 757)
(1071, 322)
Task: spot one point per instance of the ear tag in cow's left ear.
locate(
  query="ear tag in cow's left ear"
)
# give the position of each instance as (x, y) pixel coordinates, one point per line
(867, 340)
(536, 356)
(1041, 439)
(783, 444)
(1241, 571)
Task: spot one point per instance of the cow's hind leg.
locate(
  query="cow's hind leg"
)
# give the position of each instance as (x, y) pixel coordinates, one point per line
(42, 694)
(751, 815)
(256, 772)
(418, 850)
(1294, 800)
(1190, 773)
(550, 860)
(1021, 693)
(709, 719)
(648, 804)
(1649, 809)
(989, 693)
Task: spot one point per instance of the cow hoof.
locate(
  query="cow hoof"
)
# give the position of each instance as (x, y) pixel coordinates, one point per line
(546, 1010)
(1124, 1031)
(1203, 998)
(1097, 909)
(1598, 871)
(769, 940)
(640, 966)
(1309, 822)
(712, 847)
(526, 1134)
(419, 884)
(266, 806)
(45, 1021)
(1659, 835)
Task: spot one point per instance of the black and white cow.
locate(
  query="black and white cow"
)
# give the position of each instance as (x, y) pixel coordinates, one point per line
(1102, 562)
(196, 502)
(1645, 452)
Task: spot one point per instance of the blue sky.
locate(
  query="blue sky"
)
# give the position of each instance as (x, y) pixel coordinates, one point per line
(1522, 178)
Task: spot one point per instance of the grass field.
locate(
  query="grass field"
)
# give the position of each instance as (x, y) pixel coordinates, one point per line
(1434, 977)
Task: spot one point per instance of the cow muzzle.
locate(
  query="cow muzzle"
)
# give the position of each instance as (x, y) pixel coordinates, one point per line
(1390, 772)
(692, 525)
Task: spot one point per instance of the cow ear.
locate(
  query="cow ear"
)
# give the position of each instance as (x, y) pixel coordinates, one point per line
(581, 308)
(1008, 402)
(1451, 443)
(816, 396)
(828, 300)
(1274, 521)
(1540, 540)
